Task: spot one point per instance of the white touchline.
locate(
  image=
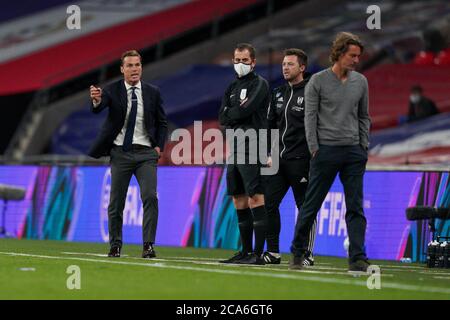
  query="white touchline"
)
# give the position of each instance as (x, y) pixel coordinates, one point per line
(291, 275)
(435, 273)
(200, 258)
(278, 268)
(316, 269)
(214, 262)
(104, 255)
(404, 267)
(127, 256)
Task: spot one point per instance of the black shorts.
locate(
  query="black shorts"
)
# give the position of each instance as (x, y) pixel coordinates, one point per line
(244, 179)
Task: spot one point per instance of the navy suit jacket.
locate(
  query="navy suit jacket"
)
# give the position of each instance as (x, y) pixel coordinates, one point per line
(114, 97)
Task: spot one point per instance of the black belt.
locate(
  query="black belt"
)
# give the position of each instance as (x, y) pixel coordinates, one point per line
(136, 147)
(139, 147)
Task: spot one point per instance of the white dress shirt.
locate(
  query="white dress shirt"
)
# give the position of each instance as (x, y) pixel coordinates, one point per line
(140, 135)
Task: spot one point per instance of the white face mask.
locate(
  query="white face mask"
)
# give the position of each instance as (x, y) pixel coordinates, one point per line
(242, 69)
(414, 98)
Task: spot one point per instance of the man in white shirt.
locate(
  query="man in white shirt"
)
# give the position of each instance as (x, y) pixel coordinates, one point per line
(133, 135)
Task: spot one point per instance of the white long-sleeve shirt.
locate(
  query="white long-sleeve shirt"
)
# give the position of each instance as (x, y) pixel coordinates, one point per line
(140, 135)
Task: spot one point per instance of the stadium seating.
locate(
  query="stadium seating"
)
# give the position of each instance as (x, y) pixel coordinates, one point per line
(390, 85)
(80, 55)
(11, 11)
(443, 58)
(389, 92)
(424, 58)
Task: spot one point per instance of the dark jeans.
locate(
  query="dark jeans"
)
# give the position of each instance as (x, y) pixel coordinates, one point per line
(142, 162)
(350, 163)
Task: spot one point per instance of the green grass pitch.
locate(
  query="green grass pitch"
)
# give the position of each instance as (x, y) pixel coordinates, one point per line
(32, 269)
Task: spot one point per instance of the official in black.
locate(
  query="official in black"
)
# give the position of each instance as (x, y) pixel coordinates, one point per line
(244, 109)
(133, 135)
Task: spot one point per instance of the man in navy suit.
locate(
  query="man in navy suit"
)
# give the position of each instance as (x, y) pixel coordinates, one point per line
(133, 135)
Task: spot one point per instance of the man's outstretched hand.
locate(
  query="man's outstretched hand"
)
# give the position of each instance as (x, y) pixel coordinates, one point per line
(96, 94)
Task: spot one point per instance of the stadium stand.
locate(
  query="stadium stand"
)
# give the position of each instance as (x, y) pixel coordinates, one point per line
(422, 142)
(390, 85)
(443, 58)
(392, 63)
(11, 11)
(32, 30)
(103, 46)
(181, 27)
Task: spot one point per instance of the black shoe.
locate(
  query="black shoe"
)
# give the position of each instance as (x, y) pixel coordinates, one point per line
(297, 263)
(252, 258)
(237, 256)
(114, 252)
(309, 261)
(271, 259)
(359, 266)
(148, 251)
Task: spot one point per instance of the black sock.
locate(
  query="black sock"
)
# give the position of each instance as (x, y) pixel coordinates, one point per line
(260, 225)
(245, 219)
(273, 231)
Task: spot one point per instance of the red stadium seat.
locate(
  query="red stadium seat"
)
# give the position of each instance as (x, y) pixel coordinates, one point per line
(424, 58)
(443, 58)
(390, 85)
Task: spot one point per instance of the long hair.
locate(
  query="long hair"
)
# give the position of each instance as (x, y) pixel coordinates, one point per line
(341, 44)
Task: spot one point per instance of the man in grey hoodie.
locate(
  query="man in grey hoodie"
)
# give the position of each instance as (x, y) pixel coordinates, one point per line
(337, 131)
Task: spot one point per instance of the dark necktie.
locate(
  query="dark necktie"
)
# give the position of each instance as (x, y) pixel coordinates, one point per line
(128, 140)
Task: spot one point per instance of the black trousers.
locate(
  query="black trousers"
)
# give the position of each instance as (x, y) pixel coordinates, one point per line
(142, 162)
(293, 173)
(350, 163)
